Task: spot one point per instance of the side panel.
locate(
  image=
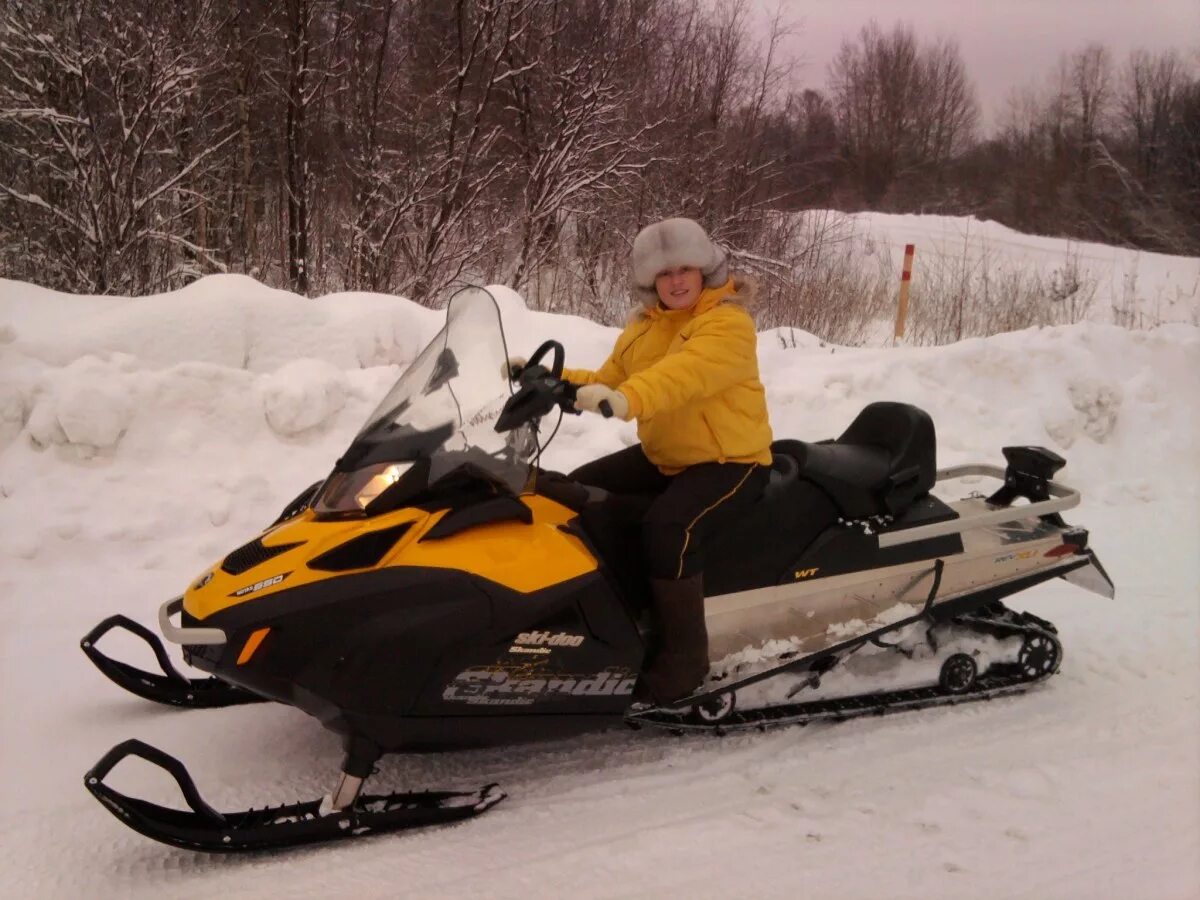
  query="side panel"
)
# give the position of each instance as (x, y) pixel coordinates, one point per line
(412, 657)
(813, 613)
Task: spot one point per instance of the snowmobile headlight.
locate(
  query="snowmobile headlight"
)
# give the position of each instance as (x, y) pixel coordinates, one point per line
(203, 580)
(351, 492)
(380, 482)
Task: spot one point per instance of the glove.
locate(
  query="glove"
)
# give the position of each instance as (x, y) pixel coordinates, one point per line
(513, 363)
(590, 396)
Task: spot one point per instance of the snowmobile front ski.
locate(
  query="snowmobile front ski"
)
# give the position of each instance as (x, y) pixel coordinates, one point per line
(345, 814)
(716, 710)
(172, 687)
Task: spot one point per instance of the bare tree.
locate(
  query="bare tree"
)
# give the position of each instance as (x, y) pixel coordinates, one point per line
(900, 107)
(1148, 101)
(308, 35)
(574, 146)
(1091, 91)
(93, 103)
(370, 118)
(457, 142)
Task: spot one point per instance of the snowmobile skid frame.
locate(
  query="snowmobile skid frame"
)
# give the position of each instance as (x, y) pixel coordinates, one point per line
(715, 712)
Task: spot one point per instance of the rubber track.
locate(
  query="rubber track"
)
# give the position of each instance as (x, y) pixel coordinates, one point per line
(843, 708)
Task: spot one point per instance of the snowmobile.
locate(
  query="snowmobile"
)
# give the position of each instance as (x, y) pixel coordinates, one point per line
(439, 590)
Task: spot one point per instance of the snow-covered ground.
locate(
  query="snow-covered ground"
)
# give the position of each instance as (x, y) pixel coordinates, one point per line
(1108, 284)
(141, 439)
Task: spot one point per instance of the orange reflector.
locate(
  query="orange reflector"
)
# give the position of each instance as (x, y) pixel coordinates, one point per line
(251, 645)
(1062, 550)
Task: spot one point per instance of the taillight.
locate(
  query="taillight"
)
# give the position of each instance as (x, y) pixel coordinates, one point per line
(1062, 550)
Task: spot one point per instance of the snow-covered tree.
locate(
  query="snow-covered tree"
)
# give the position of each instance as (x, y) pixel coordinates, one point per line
(97, 105)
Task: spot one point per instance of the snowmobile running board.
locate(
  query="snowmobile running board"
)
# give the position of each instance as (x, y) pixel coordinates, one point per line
(171, 688)
(203, 828)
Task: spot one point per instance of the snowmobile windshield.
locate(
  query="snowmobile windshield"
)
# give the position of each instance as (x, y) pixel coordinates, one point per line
(438, 420)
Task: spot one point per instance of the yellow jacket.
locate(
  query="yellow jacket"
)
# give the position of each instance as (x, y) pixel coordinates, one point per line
(691, 376)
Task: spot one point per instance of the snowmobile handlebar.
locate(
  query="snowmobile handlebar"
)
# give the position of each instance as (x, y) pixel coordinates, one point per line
(541, 390)
(556, 365)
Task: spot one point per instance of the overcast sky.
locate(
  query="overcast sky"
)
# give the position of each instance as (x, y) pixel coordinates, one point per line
(1005, 44)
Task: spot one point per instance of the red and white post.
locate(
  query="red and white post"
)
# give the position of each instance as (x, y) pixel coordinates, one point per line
(905, 280)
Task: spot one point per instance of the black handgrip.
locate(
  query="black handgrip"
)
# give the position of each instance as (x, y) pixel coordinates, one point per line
(606, 409)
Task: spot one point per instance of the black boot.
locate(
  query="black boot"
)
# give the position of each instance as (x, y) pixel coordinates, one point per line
(681, 663)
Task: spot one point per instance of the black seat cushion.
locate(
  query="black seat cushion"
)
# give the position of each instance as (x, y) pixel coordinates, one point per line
(880, 464)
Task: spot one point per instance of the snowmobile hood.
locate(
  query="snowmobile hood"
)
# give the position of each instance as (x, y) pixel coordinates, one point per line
(427, 465)
(519, 544)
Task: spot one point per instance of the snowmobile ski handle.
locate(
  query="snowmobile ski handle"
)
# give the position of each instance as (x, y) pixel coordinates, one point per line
(119, 621)
(606, 409)
(178, 635)
(1063, 498)
(133, 747)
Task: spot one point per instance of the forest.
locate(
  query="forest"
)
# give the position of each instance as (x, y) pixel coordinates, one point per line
(405, 146)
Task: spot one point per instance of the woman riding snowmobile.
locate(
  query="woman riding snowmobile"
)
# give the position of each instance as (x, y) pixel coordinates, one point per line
(686, 368)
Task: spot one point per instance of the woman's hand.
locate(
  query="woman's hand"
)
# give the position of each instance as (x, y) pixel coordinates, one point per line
(512, 367)
(590, 396)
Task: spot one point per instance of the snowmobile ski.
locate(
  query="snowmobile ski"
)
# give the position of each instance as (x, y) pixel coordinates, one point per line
(203, 828)
(172, 687)
(715, 710)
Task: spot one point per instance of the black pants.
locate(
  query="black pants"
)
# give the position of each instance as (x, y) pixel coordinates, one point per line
(684, 509)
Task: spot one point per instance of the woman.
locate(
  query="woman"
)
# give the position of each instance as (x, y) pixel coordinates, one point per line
(686, 368)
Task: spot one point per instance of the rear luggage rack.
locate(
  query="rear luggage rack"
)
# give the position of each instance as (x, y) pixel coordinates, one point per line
(1028, 475)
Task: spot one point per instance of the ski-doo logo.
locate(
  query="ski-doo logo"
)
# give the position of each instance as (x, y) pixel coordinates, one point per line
(498, 687)
(540, 638)
(260, 585)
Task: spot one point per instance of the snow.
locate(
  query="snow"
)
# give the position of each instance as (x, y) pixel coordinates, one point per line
(142, 438)
(1131, 287)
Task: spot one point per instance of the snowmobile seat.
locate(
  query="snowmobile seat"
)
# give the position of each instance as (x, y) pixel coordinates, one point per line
(879, 465)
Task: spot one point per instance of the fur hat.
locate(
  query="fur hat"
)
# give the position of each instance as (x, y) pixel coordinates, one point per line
(669, 244)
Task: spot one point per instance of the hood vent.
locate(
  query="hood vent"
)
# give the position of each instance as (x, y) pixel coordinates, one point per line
(255, 553)
(361, 552)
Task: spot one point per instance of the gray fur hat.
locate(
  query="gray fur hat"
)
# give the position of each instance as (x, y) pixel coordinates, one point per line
(669, 244)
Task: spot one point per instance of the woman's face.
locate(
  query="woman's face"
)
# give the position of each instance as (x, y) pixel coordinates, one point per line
(678, 288)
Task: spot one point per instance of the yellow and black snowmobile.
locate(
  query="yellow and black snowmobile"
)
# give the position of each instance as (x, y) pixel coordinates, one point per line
(438, 590)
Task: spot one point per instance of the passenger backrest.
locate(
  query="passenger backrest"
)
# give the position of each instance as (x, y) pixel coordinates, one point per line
(908, 436)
